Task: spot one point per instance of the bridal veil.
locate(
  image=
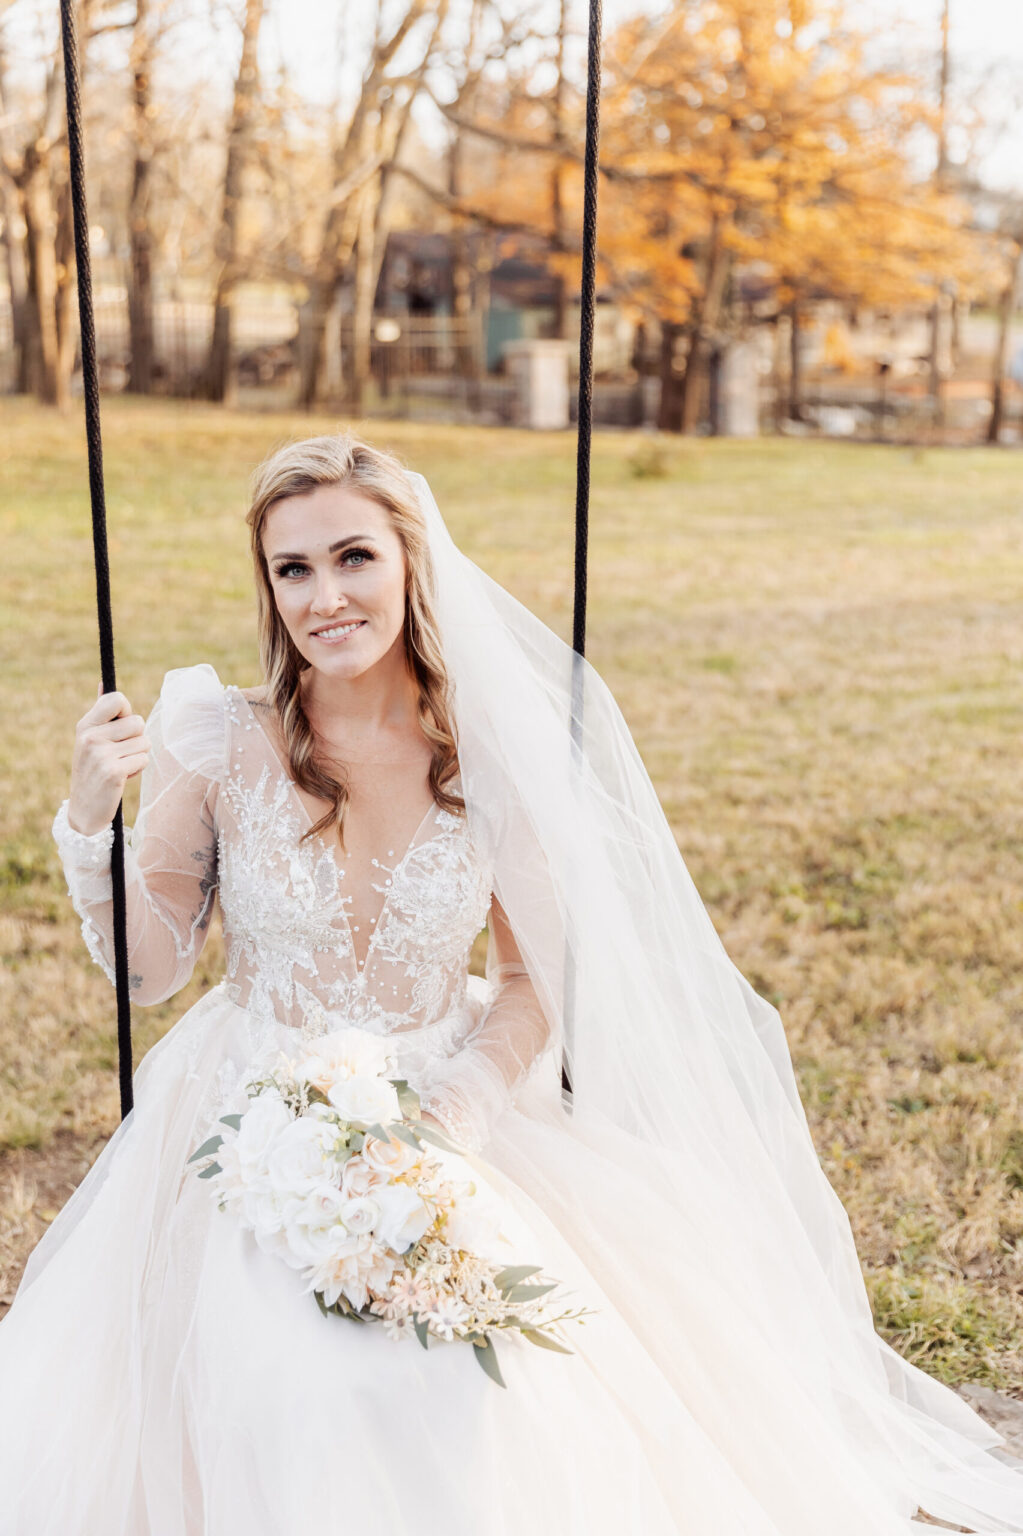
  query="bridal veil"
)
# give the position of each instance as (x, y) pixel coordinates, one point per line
(680, 1071)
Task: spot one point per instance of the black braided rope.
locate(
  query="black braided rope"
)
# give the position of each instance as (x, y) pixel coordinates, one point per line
(90, 381)
(90, 385)
(587, 302)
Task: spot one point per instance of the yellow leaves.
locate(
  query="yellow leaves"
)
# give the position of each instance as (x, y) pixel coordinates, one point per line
(724, 113)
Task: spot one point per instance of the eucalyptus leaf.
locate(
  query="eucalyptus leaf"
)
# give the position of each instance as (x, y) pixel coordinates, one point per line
(408, 1098)
(206, 1148)
(234, 1121)
(379, 1132)
(422, 1331)
(486, 1354)
(515, 1272)
(208, 1173)
(529, 1292)
(406, 1134)
(321, 1303)
(545, 1343)
(431, 1133)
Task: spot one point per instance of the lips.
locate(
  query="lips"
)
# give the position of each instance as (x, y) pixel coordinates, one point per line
(335, 633)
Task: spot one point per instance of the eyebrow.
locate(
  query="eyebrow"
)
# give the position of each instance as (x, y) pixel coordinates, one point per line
(355, 538)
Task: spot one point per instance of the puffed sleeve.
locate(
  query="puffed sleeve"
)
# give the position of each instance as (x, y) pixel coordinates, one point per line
(512, 1035)
(170, 853)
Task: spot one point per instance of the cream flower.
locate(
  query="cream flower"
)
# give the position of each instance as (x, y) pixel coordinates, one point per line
(350, 1272)
(266, 1116)
(360, 1178)
(298, 1159)
(365, 1099)
(360, 1214)
(315, 1230)
(344, 1054)
(403, 1217)
(391, 1157)
(444, 1315)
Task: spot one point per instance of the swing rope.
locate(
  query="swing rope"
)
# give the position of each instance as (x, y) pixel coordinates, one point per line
(582, 475)
(90, 387)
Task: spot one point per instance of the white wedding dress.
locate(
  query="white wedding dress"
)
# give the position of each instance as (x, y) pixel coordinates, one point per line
(161, 1375)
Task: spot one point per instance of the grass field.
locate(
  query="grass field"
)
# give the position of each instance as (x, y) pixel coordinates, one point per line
(818, 648)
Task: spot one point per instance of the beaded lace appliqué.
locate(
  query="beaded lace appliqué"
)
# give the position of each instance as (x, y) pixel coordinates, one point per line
(286, 926)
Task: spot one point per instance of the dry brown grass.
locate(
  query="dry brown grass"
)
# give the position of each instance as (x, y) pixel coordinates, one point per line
(818, 649)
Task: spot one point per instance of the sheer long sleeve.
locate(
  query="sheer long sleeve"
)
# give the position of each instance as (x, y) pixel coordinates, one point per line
(170, 853)
(494, 1061)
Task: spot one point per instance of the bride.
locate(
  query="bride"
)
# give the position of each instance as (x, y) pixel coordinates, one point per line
(426, 757)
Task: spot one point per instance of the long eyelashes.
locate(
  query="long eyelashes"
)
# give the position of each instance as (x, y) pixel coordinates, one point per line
(293, 567)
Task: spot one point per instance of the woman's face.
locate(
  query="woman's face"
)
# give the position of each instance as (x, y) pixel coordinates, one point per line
(338, 573)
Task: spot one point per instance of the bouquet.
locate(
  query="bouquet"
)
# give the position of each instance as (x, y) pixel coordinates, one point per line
(327, 1167)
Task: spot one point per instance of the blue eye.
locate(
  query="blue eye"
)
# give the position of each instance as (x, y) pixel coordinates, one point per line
(359, 551)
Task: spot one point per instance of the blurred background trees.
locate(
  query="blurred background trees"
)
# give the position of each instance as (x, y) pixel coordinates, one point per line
(782, 219)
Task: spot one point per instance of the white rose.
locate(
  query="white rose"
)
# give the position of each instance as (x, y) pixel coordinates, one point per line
(361, 1178)
(403, 1217)
(314, 1231)
(343, 1054)
(299, 1157)
(264, 1119)
(365, 1099)
(361, 1214)
(264, 1209)
(390, 1157)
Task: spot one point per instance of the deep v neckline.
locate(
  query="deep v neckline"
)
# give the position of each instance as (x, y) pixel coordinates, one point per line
(304, 812)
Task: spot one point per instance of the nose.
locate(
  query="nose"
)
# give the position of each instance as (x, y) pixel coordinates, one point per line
(328, 596)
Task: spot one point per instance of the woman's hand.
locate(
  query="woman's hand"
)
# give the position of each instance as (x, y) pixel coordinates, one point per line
(110, 749)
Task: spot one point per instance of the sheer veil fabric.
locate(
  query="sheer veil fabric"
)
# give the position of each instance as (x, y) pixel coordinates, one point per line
(683, 1085)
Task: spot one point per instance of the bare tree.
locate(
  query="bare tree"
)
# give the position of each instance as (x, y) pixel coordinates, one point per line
(140, 235)
(33, 173)
(940, 309)
(221, 382)
(1006, 314)
(13, 234)
(368, 143)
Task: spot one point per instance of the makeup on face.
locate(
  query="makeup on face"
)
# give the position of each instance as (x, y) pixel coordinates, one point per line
(337, 571)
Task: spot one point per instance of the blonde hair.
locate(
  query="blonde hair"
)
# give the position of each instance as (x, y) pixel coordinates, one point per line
(294, 470)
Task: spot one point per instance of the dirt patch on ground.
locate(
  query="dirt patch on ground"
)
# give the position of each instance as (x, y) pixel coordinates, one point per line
(34, 1184)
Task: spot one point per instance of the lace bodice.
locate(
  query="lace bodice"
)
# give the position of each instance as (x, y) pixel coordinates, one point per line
(313, 939)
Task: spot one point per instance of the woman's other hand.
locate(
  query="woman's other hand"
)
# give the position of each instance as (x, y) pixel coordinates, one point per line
(110, 749)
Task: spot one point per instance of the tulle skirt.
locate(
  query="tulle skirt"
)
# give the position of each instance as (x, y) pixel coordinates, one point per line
(161, 1375)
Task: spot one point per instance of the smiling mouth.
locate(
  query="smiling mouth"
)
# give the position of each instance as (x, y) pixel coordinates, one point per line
(338, 632)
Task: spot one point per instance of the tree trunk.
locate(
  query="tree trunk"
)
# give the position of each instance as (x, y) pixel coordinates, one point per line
(40, 252)
(140, 291)
(795, 408)
(17, 277)
(64, 299)
(466, 360)
(362, 318)
(669, 411)
(557, 206)
(694, 380)
(1007, 313)
(221, 381)
(13, 236)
